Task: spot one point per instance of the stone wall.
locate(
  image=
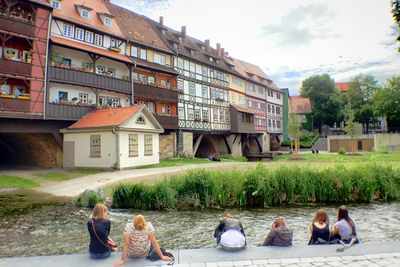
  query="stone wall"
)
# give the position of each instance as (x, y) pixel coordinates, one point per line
(387, 142)
(168, 145)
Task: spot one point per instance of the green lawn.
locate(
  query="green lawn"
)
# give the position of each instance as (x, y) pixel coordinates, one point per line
(7, 181)
(336, 158)
(184, 161)
(65, 175)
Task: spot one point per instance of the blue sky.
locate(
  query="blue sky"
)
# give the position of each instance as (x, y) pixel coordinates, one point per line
(290, 40)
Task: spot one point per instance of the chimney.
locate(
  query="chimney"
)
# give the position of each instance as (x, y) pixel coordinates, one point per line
(161, 20)
(219, 49)
(207, 45)
(222, 52)
(183, 31)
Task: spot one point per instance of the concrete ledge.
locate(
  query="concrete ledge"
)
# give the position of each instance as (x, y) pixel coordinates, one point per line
(218, 257)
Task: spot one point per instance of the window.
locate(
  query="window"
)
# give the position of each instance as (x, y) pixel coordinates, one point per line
(109, 101)
(89, 37)
(133, 145)
(55, 4)
(98, 40)
(163, 83)
(359, 145)
(79, 34)
(95, 146)
(272, 94)
(180, 63)
(143, 54)
(142, 78)
(85, 14)
(278, 110)
(83, 98)
(62, 96)
(100, 69)
(204, 71)
(197, 115)
(215, 115)
(150, 106)
(221, 116)
(169, 109)
(181, 113)
(180, 85)
(278, 95)
(227, 116)
(134, 51)
(192, 89)
(151, 80)
(148, 145)
(278, 123)
(269, 108)
(114, 43)
(160, 59)
(190, 114)
(273, 123)
(237, 81)
(205, 114)
(107, 22)
(67, 30)
(140, 120)
(269, 122)
(204, 91)
(247, 118)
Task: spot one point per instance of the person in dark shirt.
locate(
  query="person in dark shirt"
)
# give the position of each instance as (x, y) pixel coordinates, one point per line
(279, 235)
(99, 229)
(319, 229)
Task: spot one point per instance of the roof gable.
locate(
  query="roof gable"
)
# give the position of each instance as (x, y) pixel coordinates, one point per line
(142, 119)
(300, 104)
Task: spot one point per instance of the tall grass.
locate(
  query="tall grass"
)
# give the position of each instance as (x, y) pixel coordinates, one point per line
(260, 187)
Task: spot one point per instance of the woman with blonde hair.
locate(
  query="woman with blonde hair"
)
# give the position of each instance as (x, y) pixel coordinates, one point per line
(230, 233)
(140, 241)
(320, 229)
(99, 229)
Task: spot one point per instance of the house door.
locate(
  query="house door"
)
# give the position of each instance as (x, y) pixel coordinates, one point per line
(69, 154)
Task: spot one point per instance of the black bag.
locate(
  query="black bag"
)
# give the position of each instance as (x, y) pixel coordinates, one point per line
(153, 256)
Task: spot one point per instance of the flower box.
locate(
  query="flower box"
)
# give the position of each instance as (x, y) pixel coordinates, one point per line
(116, 49)
(7, 96)
(26, 97)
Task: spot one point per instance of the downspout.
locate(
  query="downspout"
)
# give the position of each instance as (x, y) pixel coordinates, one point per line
(118, 162)
(46, 70)
(131, 77)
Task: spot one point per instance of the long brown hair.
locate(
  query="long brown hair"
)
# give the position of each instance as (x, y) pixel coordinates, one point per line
(343, 213)
(99, 212)
(321, 216)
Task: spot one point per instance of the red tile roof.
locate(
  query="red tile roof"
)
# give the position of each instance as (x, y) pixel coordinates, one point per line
(106, 117)
(89, 48)
(300, 105)
(343, 87)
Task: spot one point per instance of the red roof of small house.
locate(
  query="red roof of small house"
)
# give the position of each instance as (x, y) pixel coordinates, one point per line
(106, 117)
(343, 87)
(300, 104)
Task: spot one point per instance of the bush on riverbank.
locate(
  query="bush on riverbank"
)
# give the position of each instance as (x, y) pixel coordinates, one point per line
(260, 187)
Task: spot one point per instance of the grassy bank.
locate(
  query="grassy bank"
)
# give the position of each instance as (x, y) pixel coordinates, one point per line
(9, 181)
(185, 161)
(260, 187)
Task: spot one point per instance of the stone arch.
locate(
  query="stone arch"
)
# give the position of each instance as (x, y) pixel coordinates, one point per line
(206, 147)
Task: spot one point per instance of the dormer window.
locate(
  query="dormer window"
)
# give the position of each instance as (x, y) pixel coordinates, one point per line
(84, 11)
(85, 14)
(106, 18)
(175, 45)
(192, 52)
(107, 22)
(211, 59)
(56, 4)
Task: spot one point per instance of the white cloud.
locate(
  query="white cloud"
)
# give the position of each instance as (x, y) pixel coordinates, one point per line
(290, 40)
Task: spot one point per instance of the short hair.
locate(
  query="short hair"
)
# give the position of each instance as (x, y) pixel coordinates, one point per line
(139, 222)
(99, 212)
(279, 222)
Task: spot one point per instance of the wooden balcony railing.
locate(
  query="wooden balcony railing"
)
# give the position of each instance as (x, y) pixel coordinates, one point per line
(156, 93)
(14, 25)
(14, 105)
(66, 112)
(168, 122)
(77, 77)
(15, 67)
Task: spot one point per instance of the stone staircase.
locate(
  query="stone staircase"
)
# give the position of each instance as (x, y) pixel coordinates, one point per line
(321, 144)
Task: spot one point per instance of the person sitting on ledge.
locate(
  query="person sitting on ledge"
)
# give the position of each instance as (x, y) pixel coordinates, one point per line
(279, 235)
(345, 228)
(140, 241)
(229, 233)
(319, 229)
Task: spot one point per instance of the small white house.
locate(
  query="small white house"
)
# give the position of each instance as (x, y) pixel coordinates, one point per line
(117, 138)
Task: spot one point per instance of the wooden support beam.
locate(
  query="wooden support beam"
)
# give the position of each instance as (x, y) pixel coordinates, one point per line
(197, 144)
(258, 144)
(227, 145)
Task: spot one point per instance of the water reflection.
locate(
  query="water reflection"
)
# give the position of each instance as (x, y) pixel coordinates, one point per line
(62, 229)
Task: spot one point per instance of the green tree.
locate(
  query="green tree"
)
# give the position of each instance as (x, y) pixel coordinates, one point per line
(361, 89)
(294, 133)
(352, 128)
(325, 99)
(386, 100)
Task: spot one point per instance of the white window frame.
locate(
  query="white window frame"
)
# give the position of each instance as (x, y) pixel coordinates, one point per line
(68, 30)
(56, 4)
(143, 54)
(79, 34)
(89, 37)
(134, 51)
(98, 39)
(107, 21)
(159, 59)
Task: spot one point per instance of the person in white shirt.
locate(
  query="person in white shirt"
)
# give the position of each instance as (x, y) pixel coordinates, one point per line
(345, 228)
(229, 233)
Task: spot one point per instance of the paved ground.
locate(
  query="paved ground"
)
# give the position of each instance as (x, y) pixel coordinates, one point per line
(74, 187)
(365, 254)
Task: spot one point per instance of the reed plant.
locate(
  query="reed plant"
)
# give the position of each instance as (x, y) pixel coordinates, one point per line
(261, 187)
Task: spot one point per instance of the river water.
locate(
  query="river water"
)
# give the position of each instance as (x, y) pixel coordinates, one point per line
(61, 228)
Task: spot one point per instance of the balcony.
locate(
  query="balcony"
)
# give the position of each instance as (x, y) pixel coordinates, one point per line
(81, 78)
(156, 93)
(14, 105)
(168, 122)
(15, 67)
(14, 25)
(67, 112)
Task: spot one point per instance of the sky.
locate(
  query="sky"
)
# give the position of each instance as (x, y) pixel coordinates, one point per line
(290, 40)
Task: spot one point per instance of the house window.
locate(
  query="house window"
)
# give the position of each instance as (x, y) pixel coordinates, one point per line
(79, 34)
(273, 123)
(85, 14)
(62, 96)
(150, 106)
(160, 59)
(110, 72)
(359, 145)
(163, 83)
(215, 115)
(180, 85)
(89, 37)
(112, 102)
(98, 40)
(204, 92)
(169, 109)
(197, 116)
(148, 145)
(272, 94)
(190, 114)
(151, 80)
(101, 69)
(107, 22)
(133, 145)
(278, 95)
(67, 30)
(227, 116)
(269, 122)
(205, 114)
(192, 89)
(114, 43)
(181, 113)
(83, 98)
(95, 146)
(269, 108)
(221, 116)
(140, 120)
(278, 123)
(134, 51)
(278, 110)
(55, 4)
(143, 54)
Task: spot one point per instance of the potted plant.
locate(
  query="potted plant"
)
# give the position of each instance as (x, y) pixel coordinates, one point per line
(74, 100)
(55, 59)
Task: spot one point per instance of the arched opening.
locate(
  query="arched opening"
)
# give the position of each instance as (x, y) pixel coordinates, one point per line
(205, 148)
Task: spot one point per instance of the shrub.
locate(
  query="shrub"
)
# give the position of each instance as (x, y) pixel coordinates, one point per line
(342, 151)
